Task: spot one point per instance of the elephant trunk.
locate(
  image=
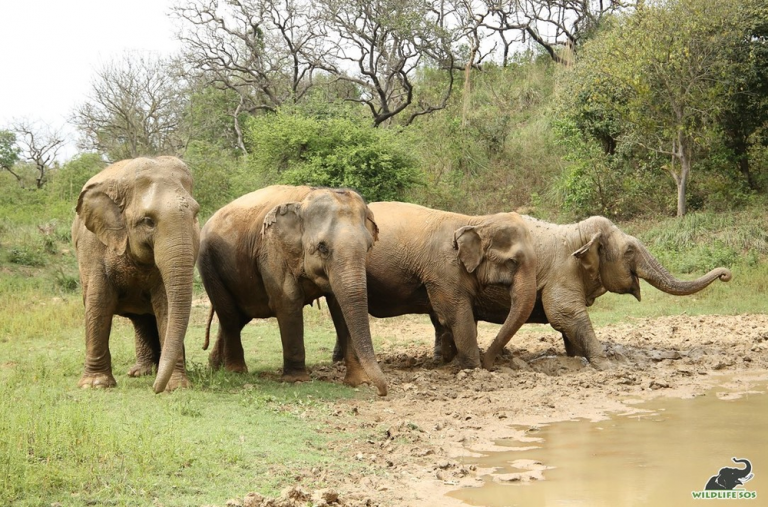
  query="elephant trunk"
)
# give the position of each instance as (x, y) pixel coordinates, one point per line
(523, 298)
(650, 270)
(176, 263)
(351, 292)
(746, 471)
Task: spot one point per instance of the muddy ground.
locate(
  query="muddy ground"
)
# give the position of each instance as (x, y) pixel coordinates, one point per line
(420, 435)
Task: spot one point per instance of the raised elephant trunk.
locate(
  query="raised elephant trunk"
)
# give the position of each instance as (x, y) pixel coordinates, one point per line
(650, 270)
(350, 290)
(176, 264)
(746, 471)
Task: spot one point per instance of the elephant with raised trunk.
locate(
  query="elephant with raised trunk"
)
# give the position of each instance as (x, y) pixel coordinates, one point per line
(576, 264)
(137, 236)
(437, 262)
(273, 251)
(730, 477)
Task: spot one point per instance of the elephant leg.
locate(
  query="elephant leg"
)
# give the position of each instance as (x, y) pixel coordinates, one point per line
(100, 306)
(574, 324)
(355, 374)
(338, 349)
(445, 346)
(147, 340)
(227, 351)
(290, 319)
(459, 320)
(160, 306)
(571, 349)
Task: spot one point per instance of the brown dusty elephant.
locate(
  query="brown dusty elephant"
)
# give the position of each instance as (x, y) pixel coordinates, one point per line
(273, 251)
(577, 263)
(436, 262)
(137, 236)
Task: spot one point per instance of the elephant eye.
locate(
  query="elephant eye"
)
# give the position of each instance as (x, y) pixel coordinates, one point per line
(147, 221)
(322, 248)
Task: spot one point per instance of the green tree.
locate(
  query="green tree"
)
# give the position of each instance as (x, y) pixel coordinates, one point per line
(9, 152)
(669, 63)
(334, 152)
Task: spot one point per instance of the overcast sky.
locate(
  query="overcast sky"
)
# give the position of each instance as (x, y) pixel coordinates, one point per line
(51, 49)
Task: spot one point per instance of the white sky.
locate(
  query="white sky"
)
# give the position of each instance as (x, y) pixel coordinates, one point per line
(51, 49)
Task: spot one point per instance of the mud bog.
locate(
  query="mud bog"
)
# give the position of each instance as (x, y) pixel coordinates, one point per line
(427, 437)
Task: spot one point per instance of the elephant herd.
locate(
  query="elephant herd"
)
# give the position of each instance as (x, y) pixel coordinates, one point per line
(273, 251)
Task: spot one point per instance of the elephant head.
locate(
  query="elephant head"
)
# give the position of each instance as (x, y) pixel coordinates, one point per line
(729, 477)
(325, 238)
(617, 261)
(143, 211)
(500, 252)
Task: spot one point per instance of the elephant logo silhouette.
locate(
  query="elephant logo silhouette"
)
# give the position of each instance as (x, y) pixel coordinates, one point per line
(729, 477)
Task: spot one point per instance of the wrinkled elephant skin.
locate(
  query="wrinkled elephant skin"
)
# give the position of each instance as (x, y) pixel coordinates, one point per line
(436, 262)
(576, 264)
(137, 236)
(273, 251)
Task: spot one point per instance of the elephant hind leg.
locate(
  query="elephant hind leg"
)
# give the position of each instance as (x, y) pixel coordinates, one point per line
(147, 340)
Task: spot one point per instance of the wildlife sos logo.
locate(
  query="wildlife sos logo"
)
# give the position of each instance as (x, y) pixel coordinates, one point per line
(728, 483)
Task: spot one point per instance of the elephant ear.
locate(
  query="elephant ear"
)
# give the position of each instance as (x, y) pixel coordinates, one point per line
(371, 225)
(589, 256)
(284, 221)
(467, 241)
(98, 208)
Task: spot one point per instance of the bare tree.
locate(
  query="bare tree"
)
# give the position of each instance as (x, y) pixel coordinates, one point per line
(379, 45)
(39, 145)
(135, 107)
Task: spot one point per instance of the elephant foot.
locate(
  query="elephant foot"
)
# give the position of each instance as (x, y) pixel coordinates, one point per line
(356, 377)
(97, 380)
(464, 362)
(178, 381)
(141, 369)
(295, 376)
(236, 367)
(600, 363)
(488, 359)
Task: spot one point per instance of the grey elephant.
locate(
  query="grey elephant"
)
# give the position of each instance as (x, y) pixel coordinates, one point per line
(273, 251)
(136, 236)
(435, 262)
(576, 264)
(730, 477)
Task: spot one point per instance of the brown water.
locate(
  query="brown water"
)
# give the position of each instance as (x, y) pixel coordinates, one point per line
(654, 459)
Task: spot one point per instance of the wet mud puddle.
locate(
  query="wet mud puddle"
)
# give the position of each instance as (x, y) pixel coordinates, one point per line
(656, 457)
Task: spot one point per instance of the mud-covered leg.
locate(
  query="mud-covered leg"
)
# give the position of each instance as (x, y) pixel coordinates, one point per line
(458, 319)
(99, 309)
(355, 374)
(574, 324)
(445, 346)
(147, 340)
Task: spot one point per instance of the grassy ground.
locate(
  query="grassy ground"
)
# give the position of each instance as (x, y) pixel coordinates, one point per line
(232, 434)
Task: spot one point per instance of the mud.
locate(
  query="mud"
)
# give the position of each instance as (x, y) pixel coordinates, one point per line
(421, 438)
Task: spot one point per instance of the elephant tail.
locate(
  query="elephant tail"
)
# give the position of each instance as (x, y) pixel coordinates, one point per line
(208, 329)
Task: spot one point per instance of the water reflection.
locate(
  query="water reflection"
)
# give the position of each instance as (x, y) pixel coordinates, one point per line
(656, 458)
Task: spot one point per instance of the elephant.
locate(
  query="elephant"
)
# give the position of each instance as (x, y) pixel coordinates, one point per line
(729, 477)
(576, 264)
(273, 251)
(436, 262)
(136, 237)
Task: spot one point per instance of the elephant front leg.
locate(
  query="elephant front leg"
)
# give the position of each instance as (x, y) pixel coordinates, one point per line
(459, 322)
(355, 374)
(291, 322)
(445, 347)
(147, 340)
(577, 331)
(99, 309)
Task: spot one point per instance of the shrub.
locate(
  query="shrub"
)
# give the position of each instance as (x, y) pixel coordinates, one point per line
(333, 152)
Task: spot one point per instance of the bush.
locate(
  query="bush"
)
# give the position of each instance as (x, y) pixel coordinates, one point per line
(332, 152)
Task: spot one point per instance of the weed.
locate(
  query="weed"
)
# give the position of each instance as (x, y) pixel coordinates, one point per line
(26, 256)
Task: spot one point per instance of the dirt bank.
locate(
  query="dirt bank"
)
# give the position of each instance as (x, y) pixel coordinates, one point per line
(433, 415)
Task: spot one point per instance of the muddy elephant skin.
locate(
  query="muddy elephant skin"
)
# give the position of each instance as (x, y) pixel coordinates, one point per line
(137, 236)
(577, 263)
(436, 262)
(273, 251)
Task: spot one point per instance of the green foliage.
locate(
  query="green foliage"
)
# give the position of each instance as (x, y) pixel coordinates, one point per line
(333, 152)
(67, 182)
(9, 151)
(217, 176)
